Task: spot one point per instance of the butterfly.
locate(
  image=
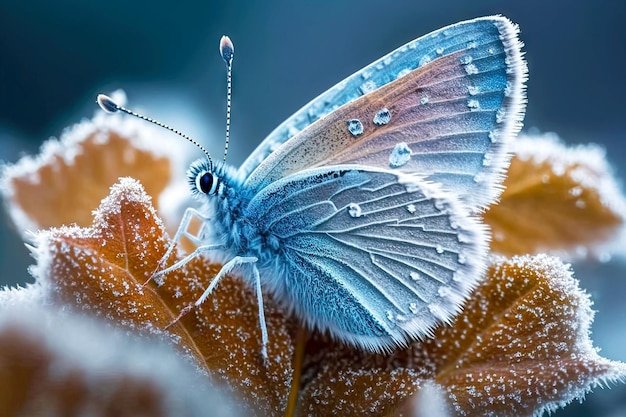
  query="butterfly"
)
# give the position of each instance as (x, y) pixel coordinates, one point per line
(360, 213)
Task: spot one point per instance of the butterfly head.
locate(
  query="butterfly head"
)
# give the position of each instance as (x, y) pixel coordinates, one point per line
(211, 180)
(204, 179)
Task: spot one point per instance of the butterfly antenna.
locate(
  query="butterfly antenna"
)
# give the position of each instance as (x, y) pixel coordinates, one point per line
(227, 50)
(107, 104)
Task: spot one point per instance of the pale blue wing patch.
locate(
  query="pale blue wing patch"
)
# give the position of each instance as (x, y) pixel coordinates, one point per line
(458, 37)
(451, 120)
(376, 257)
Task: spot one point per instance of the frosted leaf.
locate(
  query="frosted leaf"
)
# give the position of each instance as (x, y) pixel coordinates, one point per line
(83, 364)
(558, 199)
(101, 270)
(69, 177)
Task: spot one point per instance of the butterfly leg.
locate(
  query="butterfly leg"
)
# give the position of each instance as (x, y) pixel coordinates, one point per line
(196, 239)
(259, 297)
(226, 269)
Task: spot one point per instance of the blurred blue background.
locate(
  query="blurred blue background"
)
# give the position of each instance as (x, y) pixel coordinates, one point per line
(56, 56)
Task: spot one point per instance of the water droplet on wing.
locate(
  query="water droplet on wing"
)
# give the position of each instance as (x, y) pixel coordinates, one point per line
(400, 155)
(466, 59)
(382, 117)
(354, 210)
(473, 104)
(368, 87)
(355, 127)
(471, 69)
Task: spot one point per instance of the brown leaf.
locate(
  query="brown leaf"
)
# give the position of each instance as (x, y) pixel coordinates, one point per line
(556, 199)
(54, 364)
(70, 177)
(102, 268)
(520, 346)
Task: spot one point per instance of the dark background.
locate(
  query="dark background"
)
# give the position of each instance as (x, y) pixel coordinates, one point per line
(56, 56)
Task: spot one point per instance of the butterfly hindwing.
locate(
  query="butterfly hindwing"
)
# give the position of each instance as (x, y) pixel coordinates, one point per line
(371, 255)
(450, 120)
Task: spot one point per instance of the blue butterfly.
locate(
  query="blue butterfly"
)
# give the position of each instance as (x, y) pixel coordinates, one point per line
(360, 212)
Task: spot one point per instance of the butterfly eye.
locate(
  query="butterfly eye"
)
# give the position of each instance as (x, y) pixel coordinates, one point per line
(205, 182)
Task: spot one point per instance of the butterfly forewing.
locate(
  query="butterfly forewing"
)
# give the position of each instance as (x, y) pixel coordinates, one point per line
(450, 120)
(375, 257)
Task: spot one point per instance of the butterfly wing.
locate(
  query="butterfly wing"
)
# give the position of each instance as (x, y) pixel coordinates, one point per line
(376, 257)
(444, 106)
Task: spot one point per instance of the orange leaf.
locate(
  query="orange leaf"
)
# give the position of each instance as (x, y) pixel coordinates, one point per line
(53, 364)
(520, 346)
(102, 268)
(70, 177)
(556, 199)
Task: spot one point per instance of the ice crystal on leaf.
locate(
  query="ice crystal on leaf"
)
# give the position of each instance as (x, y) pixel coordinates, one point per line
(520, 345)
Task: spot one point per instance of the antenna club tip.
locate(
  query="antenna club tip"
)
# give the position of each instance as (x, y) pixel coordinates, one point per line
(227, 49)
(107, 104)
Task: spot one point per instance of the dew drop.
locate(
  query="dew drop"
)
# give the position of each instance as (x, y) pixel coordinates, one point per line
(382, 117)
(473, 104)
(580, 203)
(404, 72)
(473, 90)
(368, 87)
(413, 308)
(414, 276)
(445, 291)
(400, 155)
(401, 318)
(466, 59)
(355, 127)
(472, 45)
(439, 51)
(354, 210)
(493, 136)
(461, 259)
(471, 69)
(424, 100)
(424, 60)
(439, 249)
(411, 208)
